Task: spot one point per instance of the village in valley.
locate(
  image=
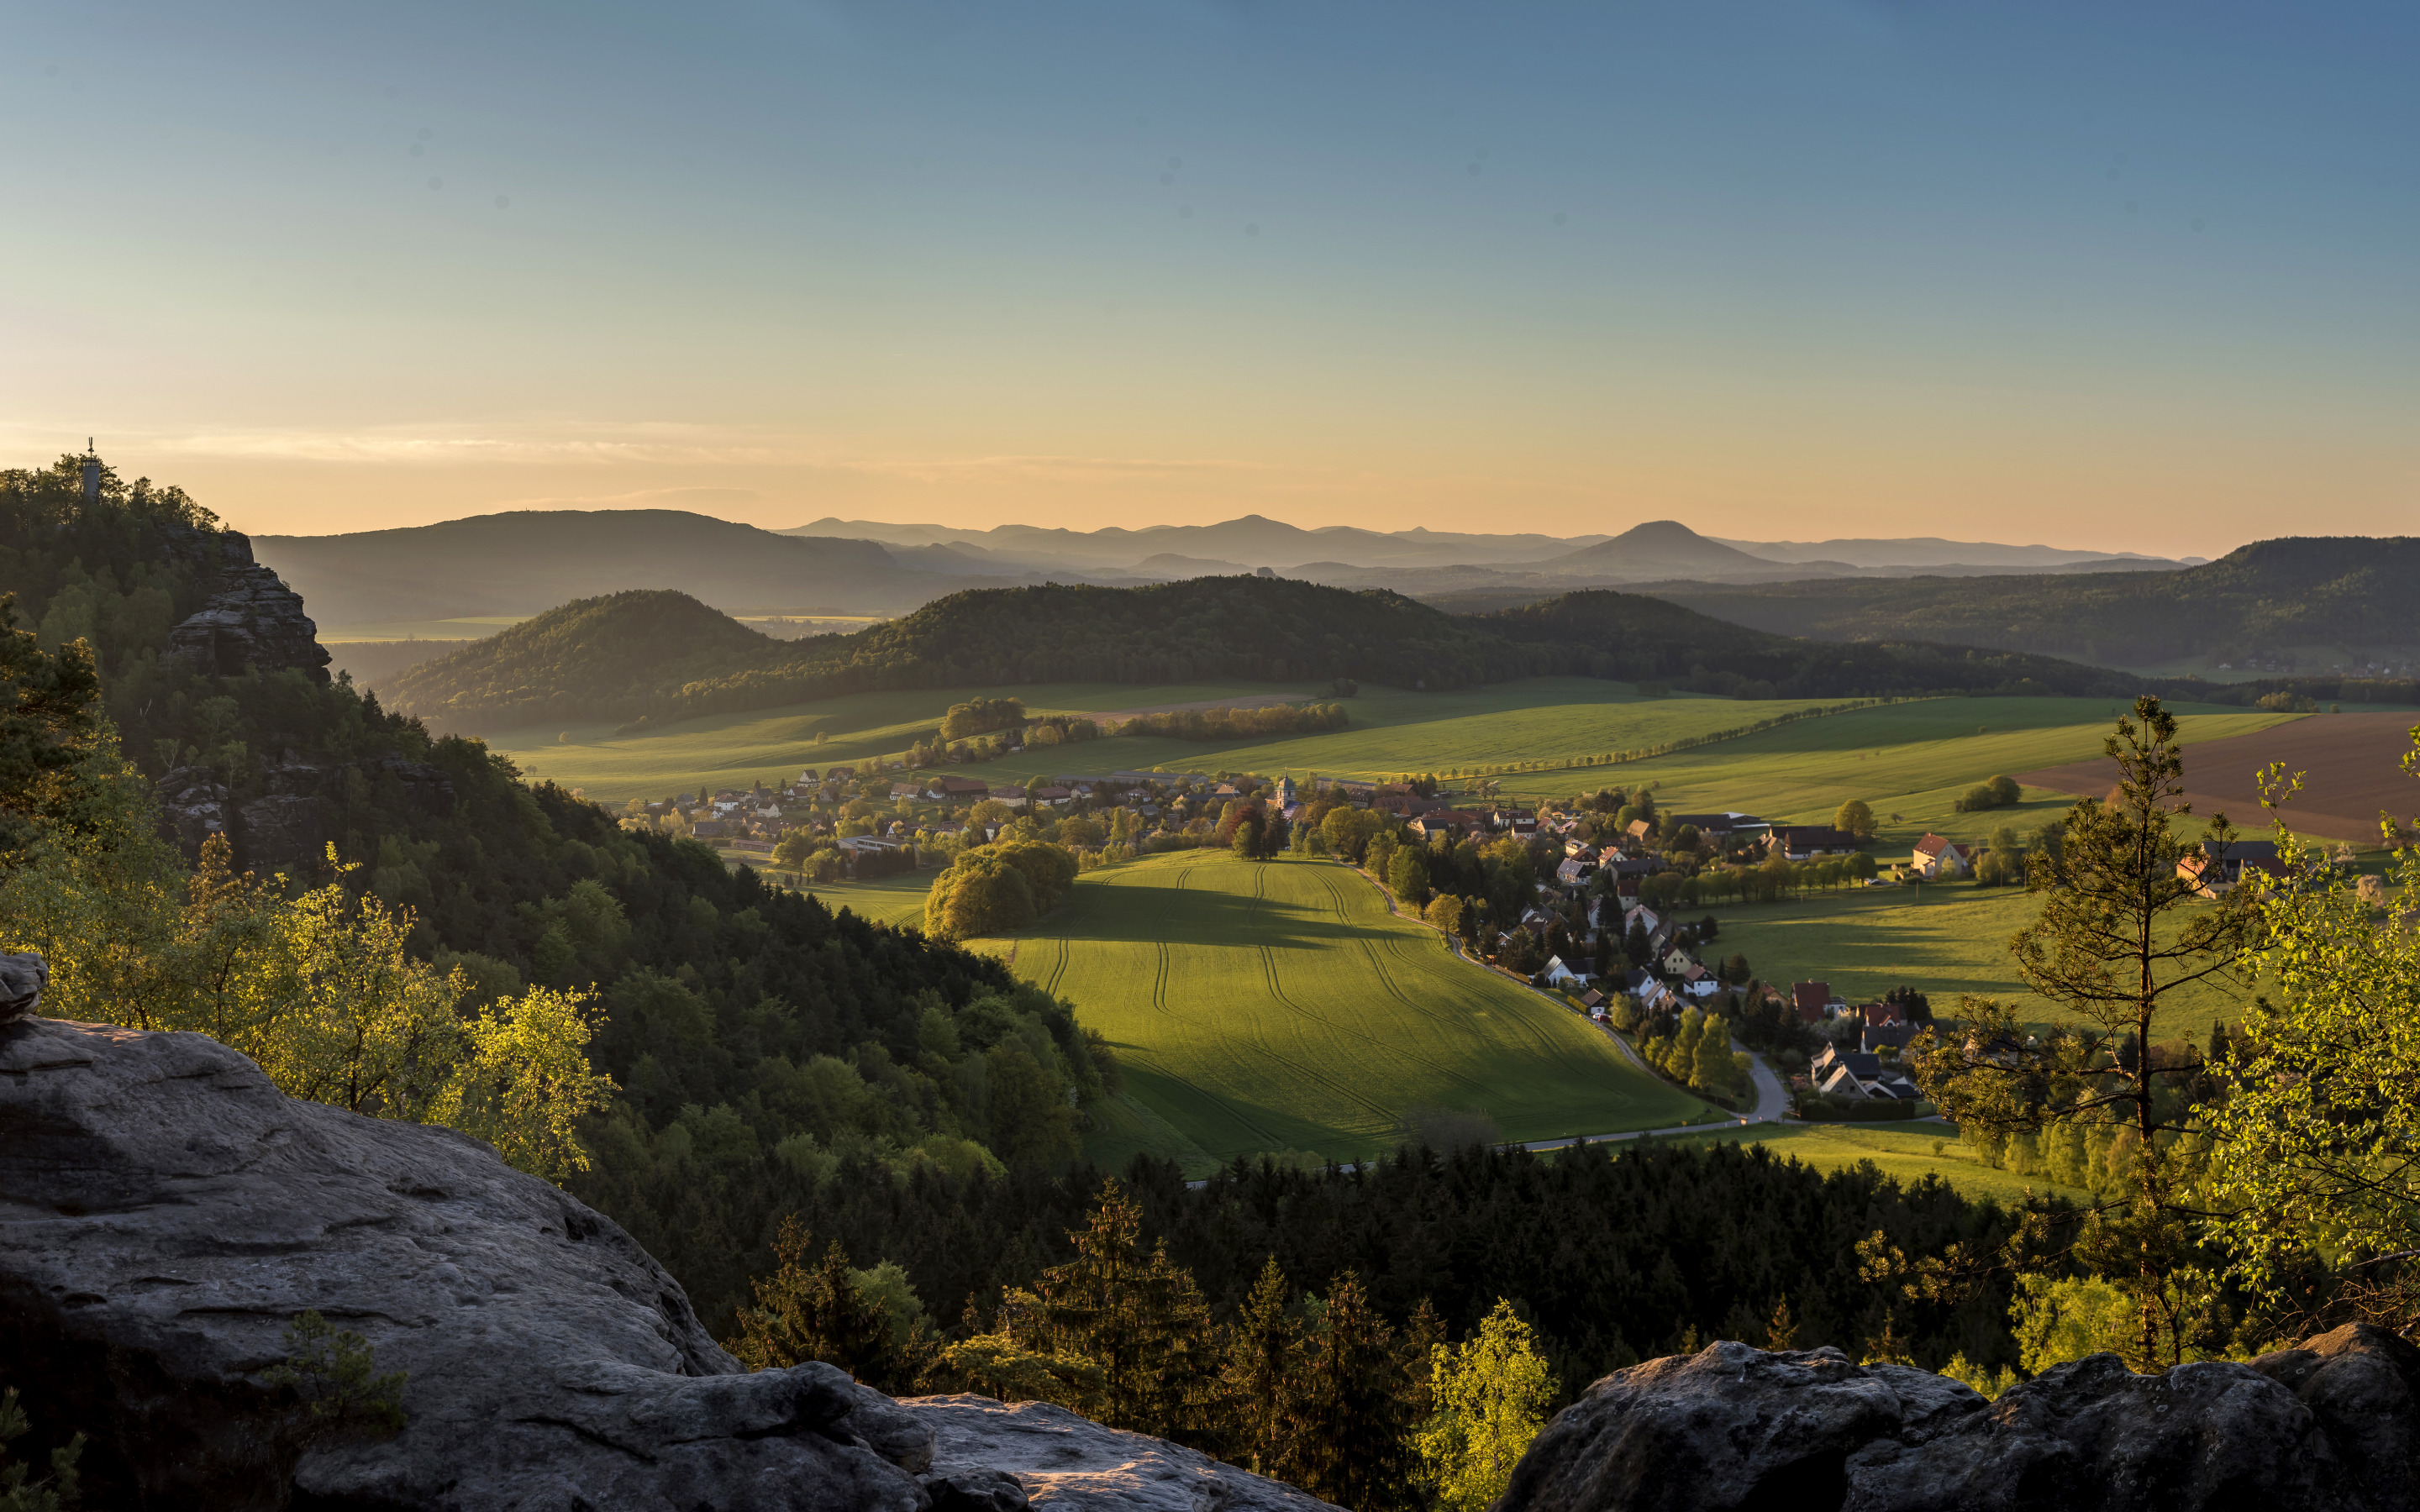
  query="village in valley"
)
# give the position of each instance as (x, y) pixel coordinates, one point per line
(1606, 902)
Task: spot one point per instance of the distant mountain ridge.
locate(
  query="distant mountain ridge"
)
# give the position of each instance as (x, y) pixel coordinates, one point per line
(1273, 543)
(1666, 549)
(529, 561)
(2261, 602)
(522, 563)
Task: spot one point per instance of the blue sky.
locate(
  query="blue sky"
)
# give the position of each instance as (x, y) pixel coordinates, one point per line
(2140, 277)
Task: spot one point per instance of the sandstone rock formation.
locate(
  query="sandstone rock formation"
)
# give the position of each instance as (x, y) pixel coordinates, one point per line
(2333, 1424)
(23, 977)
(284, 827)
(196, 806)
(165, 1213)
(252, 618)
(1061, 1461)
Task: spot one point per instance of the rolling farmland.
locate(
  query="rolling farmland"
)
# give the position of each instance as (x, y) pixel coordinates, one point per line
(1393, 729)
(1946, 939)
(1911, 760)
(1279, 1007)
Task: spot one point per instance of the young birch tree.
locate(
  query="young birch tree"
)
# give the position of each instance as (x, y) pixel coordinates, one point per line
(2317, 1128)
(1491, 1394)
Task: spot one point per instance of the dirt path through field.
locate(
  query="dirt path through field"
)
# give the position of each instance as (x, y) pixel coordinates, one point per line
(2349, 762)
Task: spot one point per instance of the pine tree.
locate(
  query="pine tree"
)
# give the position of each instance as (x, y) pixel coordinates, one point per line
(1349, 1425)
(1261, 1354)
(1142, 1322)
(817, 1314)
(1782, 1333)
(2120, 933)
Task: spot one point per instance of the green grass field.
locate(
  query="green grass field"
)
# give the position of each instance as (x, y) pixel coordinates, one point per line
(1901, 1151)
(1909, 759)
(1945, 939)
(1392, 730)
(735, 750)
(1279, 1007)
(892, 900)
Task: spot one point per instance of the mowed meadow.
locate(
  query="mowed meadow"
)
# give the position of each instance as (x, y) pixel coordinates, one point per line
(1280, 1006)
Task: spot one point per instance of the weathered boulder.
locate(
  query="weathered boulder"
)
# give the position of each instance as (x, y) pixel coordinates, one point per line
(23, 977)
(1728, 1426)
(251, 619)
(280, 829)
(985, 1451)
(196, 806)
(2362, 1383)
(165, 1212)
(2328, 1425)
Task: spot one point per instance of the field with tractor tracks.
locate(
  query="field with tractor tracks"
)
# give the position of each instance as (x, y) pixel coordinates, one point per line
(1280, 1006)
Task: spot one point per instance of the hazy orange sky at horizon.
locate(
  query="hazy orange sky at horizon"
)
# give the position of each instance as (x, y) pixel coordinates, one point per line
(2085, 277)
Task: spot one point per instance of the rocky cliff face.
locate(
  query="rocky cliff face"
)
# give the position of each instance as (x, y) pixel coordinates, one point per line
(165, 1213)
(252, 620)
(2333, 1424)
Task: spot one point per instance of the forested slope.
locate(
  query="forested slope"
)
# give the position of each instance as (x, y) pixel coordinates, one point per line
(906, 1097)
(739, 1020)
(587, 653)
(2256, 601)
(635, 655)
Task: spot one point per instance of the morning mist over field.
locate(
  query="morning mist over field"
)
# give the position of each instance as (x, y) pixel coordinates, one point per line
(1204, 756)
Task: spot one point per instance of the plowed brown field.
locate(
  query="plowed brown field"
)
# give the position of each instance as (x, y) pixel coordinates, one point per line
(2349, 764)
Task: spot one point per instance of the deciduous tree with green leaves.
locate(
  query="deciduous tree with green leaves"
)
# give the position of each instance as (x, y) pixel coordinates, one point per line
(2316, 1156)
(1491, 1395)
(2120, 934)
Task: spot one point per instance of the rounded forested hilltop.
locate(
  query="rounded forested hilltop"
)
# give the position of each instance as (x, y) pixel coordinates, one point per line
(1199, 629)
(662, 655)
(2262, 598)
(584, 657)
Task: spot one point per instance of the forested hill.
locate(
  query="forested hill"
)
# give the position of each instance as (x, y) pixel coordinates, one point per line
(2258, 602)
(647, 655)
(525, 561)
(1641, 638)
(675, 665)
(752, 1031)
(586, 654)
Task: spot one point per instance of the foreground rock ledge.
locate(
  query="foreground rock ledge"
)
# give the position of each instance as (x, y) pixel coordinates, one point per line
(2333, 1426)
(165, 1212)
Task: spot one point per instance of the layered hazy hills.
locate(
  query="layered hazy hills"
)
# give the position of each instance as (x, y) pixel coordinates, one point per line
(1658, 549)
(529, 561)
(1253, 539)
(662, 657)
(2265, 600)
(524, 561)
